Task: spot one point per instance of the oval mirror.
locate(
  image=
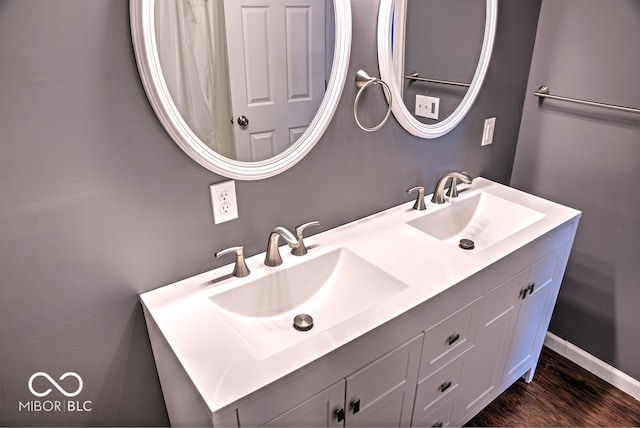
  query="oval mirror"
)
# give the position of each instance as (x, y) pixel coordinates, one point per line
(433, 88)
(245, 87)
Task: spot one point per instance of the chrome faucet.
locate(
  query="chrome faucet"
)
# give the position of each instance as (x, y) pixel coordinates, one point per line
(273, 257)
(438, 192)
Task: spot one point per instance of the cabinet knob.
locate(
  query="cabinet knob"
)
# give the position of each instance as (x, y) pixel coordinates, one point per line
(438, 424)
(339, 413)
(355, 406)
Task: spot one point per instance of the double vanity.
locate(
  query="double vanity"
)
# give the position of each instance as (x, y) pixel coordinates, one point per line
(406, 317)
(408, 326)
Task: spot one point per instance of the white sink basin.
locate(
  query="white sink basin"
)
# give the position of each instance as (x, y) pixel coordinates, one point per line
(483, 218)
(331, 288)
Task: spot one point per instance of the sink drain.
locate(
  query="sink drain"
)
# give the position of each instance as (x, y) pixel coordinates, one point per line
(467, 244)
(303, 322)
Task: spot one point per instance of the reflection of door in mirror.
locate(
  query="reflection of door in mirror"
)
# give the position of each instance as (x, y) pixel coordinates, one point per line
(277, 71)
(192, 53)
(442, 41)
(266, 60)
(175, 40)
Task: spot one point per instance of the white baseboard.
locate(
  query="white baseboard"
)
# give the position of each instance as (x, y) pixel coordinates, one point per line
(604, 371)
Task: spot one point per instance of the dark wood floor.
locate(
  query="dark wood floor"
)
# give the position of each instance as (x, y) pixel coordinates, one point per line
(562, 394)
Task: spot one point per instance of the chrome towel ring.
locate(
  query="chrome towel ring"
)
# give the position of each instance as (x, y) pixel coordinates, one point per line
(363, 81)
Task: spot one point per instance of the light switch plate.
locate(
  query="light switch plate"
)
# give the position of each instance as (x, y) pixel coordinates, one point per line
(223, 201)
(487, 133)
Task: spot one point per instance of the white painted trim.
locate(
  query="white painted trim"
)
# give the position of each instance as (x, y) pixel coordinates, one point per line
(604, 371)
(399, 41)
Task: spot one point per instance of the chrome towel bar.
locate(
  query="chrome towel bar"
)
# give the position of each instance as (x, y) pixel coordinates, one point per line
(415, 76)
(543, 92)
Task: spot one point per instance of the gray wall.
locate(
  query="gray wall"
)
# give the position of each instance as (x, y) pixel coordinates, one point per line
(589, 159)
(97, 204)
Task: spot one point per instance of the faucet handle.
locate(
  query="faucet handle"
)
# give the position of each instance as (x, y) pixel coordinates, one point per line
(301, 249)
(453, 188)
(419, 205)
(240, 269)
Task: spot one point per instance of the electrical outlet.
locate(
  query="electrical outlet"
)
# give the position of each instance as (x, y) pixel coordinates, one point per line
(427, 106)
(223, 201)
(487, 133)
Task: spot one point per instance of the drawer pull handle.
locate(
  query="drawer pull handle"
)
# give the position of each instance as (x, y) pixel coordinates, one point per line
(446, 385)
(453, 338)
(528, 290)
(438, 424)
(339, 414)
(355, 406)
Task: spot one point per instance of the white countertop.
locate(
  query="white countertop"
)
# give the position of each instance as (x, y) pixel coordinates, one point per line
(224, 368)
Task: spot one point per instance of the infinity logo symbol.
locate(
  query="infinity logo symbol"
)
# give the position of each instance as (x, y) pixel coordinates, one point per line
(54, 383)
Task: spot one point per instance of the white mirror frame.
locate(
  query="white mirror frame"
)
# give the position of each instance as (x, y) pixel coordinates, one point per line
(146, 52)
(385, 62)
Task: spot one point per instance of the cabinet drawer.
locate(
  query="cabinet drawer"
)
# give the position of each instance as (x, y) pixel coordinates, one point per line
(449, 338)
(439, 386)
(439, 417)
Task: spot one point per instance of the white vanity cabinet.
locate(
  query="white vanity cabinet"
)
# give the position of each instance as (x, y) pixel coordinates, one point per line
(456, 329)
(379, 394)
(462, 361)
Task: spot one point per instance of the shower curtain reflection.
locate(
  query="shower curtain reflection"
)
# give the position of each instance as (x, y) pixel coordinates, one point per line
(192, 52)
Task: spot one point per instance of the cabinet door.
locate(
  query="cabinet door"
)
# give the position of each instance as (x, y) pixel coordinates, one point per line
(318, 411)
(382, 393)
(536, 301)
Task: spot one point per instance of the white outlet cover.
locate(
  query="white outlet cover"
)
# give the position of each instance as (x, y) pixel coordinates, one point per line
(223, 201)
